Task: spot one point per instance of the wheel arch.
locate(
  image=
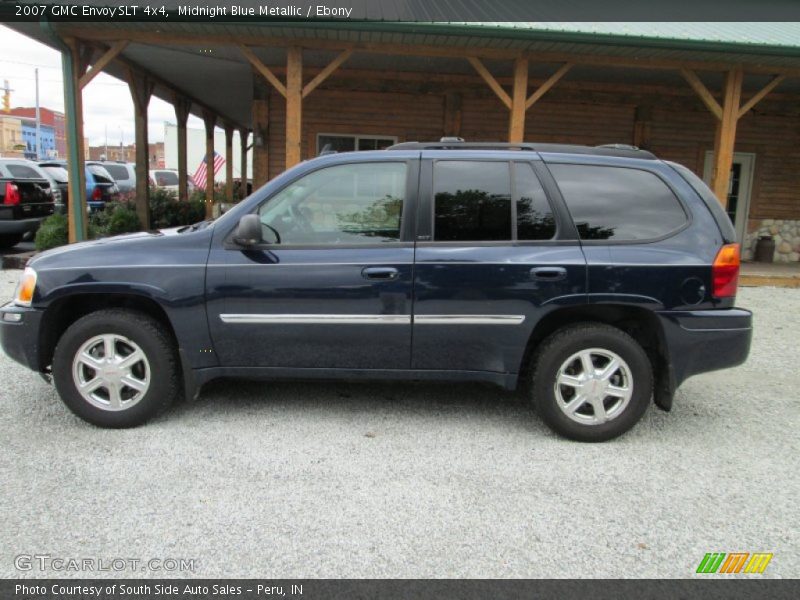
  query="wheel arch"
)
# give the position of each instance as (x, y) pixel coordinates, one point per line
(641, 324)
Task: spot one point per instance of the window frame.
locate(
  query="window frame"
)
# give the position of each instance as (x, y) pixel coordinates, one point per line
(356, 137)
(681, 203)
(565, 233)
(407, 222)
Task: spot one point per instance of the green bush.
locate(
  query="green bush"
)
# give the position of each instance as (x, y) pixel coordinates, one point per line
(167, 211)
(53, 232)
(116, 218)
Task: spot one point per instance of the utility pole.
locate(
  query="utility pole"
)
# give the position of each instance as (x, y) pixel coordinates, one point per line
(38, 120)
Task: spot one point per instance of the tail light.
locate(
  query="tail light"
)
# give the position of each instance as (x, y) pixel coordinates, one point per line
(97, 194)
(12, 194)
(725, 272)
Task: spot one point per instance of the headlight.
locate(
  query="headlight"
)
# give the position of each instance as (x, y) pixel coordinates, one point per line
(27, 283)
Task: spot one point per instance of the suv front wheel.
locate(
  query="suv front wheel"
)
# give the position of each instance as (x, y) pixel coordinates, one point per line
(116, 368)
(591, 382)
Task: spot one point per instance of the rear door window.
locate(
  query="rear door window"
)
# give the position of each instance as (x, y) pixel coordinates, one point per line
(473, 202)
(617, 203)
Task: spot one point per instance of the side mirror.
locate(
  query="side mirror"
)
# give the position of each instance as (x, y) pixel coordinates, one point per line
(248, 233)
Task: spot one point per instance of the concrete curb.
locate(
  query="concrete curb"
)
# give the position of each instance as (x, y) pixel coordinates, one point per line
(17, 261)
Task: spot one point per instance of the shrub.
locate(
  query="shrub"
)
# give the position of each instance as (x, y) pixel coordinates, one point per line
(167, 211)
(53, 232)
(116, 218)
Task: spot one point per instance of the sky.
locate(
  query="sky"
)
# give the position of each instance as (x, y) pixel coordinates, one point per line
(107, 104)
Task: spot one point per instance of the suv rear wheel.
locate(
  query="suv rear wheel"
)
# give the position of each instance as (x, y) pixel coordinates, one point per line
(591, 382)
(116, 368)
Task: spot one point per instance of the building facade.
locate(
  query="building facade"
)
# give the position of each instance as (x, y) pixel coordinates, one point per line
(53, 131)
(11, 142)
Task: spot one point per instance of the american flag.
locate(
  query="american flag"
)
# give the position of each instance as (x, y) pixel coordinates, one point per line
(199, 177)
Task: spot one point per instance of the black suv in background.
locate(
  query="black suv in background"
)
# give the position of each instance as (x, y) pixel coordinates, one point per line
(597, 279)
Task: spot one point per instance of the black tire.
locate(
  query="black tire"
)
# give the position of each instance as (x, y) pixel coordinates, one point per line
(155, 343)
(9, 240)
(570, 340)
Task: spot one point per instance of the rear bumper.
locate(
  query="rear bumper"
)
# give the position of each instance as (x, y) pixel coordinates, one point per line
(699, 341)
(20, 339)
(20, 225)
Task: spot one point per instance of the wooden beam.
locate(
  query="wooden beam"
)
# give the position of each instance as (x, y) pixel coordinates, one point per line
(209, 120)
(725, 138)
(549, 83)
(182, 107)
(263, 69)
(759, 96)
(294, 105)
(490, 80)
(326, 72)
(516, 122)
(102, 62)
(206, 39)
(141, 88)
(243, 133)
(707, 97)
(229, 162)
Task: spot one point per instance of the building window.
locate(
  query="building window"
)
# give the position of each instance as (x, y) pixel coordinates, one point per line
(336, 142)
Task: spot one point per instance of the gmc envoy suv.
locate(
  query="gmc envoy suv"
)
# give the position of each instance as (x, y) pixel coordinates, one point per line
(594, 279)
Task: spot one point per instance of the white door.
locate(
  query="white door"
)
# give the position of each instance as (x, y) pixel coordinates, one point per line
(739, 188)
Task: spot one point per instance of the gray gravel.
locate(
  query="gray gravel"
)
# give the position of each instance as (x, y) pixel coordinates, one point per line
(397, 480)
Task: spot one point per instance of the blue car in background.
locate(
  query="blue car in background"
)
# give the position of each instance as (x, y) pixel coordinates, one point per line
(100, 186)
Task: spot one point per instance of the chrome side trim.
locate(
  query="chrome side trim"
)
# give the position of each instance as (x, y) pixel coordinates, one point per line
(469, 319)
(317, 319)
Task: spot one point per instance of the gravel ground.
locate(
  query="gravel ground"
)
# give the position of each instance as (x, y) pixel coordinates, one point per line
(397, 480)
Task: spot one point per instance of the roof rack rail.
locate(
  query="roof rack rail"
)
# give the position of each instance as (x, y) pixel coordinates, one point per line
(450, 143)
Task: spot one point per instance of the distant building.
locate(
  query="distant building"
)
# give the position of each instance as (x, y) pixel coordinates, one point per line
(155, 153)
(53, 126)
(11, 143)
(118, 152)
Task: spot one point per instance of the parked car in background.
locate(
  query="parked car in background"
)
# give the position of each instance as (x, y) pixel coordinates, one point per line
(597, 279)
(124, 174)
(166, 179)
(26, 199)
(100, 185)
(58, 174)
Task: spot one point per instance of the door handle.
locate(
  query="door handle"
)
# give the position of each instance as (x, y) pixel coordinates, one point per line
(548, 273)
(380, 273)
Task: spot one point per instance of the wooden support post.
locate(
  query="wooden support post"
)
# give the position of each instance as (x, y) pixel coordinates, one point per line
(261, 133)
(726, 135)
(516, 125)
(759, 96)
(210, 120)
(452, 115)
(243, 133)
(294, 105)
(141, 88)
(229, 163)
(72, 69)
(182, 107)
(326, 72)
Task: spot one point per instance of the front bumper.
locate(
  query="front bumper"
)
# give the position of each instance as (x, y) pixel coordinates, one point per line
(699, 341)
(20, 339)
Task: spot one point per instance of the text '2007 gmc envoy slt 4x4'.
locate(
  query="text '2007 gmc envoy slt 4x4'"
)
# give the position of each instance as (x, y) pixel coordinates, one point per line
(596, 279)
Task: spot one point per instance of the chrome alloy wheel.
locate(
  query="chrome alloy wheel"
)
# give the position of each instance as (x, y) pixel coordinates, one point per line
(593, 386)
(111, 372)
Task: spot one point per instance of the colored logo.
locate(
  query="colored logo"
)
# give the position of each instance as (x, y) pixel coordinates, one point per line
(734, 562)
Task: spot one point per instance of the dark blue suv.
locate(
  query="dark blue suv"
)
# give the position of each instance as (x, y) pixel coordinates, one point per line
(596, 279)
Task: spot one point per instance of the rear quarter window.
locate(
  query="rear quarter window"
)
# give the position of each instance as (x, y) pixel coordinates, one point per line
(118, 172)
(618, 203)
(24, 172)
